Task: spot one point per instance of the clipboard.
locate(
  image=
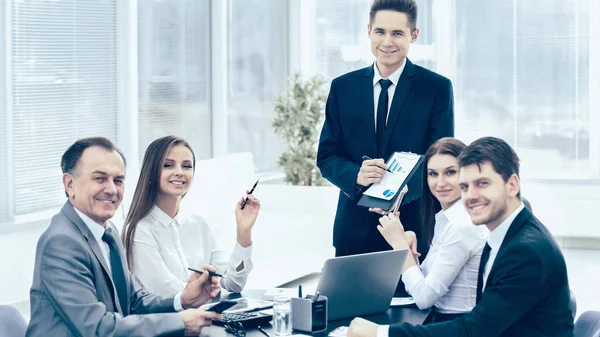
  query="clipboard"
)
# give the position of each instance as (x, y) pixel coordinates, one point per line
(374, 202)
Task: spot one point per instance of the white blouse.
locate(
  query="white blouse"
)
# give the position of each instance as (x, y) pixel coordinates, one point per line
(164, 247)
(448, 276)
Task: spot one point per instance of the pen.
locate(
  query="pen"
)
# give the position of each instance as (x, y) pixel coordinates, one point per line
(252, 190)
(300, 291)
(367, 158)
(263, 331)
(316, 296)
(211, 273)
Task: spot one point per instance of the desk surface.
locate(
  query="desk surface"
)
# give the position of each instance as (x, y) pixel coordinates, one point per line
(394, 315)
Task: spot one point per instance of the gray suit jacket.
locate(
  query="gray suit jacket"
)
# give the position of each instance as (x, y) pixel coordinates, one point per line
(73, 293)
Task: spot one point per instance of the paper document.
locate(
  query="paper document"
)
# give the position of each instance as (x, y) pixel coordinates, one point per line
(401, 164)
(402, 301)
(339, 332)
(274, 292)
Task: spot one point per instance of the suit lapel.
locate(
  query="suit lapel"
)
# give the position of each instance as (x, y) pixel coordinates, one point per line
(515, 226)
(368, 105)
(404, 84)
(519, 221)
(125, 267)
(70, 213)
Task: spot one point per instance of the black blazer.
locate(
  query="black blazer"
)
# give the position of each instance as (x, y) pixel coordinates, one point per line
(422, 111)
(526, 294)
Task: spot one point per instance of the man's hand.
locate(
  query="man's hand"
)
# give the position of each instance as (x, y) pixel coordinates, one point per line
(200, 288)
(360, 327)
(245, 219)
(392, 231)
(195, 319)
(371, 172)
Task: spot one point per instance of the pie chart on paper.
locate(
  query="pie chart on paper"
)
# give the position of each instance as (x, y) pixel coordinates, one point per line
(388, 193)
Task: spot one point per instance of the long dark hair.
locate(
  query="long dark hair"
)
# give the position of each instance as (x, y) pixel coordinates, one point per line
(148, 186)
(429, 204)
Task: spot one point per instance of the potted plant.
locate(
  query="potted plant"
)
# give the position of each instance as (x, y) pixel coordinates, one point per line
(298, 120)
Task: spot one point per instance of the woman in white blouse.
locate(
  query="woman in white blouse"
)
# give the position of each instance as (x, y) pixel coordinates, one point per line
(159, 243)
(447, 279)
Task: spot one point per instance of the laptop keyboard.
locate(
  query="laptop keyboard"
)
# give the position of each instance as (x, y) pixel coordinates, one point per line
(248, 319)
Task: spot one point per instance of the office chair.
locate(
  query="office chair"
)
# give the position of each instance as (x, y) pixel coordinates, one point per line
(588, 324)
(573, 303)
(12, 324)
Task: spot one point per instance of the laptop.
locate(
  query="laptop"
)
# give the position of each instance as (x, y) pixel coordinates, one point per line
(363, 284)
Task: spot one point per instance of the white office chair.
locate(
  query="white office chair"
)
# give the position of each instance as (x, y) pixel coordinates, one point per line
(588, 324)
(12, 324)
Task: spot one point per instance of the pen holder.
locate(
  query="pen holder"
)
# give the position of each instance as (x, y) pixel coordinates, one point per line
(309, 316)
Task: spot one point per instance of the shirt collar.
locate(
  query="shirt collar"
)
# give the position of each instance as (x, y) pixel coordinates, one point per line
(96, 228)
(454, 214)
(394, 77)
(163, 218)
(497, 235)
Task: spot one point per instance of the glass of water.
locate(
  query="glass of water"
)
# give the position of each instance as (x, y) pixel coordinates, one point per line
(282, 318)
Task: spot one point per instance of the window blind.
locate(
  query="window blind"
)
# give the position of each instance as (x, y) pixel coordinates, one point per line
(523, 75)
(64, 86)
(3, 127)
(257, 73)
(173, 68)
(342, 44)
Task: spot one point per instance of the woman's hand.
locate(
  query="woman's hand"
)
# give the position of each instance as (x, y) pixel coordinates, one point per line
(245, 219)
(392, 231)
(411, 239)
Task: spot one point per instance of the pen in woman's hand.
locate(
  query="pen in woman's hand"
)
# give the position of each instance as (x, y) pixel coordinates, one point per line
(211, 273)
(252, 190)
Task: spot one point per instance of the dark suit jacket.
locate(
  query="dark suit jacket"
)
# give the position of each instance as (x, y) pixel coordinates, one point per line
(526, 294)
(422, 112)
(73, 293)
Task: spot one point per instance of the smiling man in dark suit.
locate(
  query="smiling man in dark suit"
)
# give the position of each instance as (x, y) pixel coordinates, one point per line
(393, 105)
(522, 289)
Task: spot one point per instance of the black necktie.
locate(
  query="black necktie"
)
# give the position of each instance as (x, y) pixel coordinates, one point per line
(118, 272)
(382, 111)
(485, 256)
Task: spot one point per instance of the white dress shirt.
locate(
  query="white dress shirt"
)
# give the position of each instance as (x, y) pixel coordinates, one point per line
(164, 247)
(395, 78)
(448, 276)
(98, 231)
(495, 241)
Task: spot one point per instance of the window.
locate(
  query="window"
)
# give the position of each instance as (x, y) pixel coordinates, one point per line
(342, 42)
(257, 73)
(4, 143)
(523, 75)
(64, 84)
(173, 69)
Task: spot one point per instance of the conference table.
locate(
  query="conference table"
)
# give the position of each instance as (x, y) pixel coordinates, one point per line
(393, 315)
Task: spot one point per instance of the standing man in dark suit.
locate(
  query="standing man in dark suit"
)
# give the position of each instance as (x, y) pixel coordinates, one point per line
(81, 283)
(390, 106)
(522, 289)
